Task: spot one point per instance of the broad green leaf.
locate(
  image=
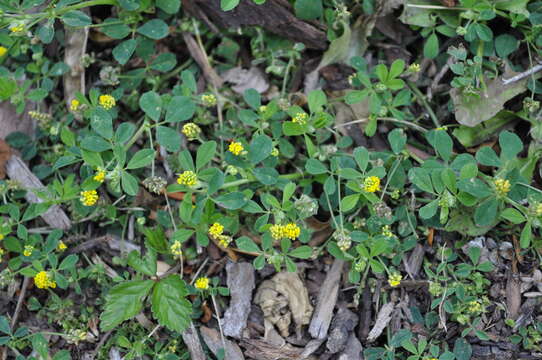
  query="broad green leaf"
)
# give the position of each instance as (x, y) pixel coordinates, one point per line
(315, 167)
(102, 122)
(169, 6)
(227, 5)
(301, 252)
(169, 304)
(76, 18)
(247, 244)
(180, 108)
(168, 138)
(141, 159)
(123, 302)
(486, 213)
(124, 51)
(129, 183)
(151, 103)
(155, 29)
(232, 201)
(431, 47)
(205, 153)
(260, 148)
(513, 215)
(511, 145)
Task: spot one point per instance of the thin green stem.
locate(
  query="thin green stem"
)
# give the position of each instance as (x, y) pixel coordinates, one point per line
(421, 98)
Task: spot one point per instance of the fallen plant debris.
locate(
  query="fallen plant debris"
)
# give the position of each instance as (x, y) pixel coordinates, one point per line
(270, 179)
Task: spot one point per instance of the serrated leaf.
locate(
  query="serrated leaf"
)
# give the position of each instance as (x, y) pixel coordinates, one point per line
(169, 304)
(123, 302)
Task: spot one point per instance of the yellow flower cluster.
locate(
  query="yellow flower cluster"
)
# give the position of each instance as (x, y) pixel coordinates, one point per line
(502, 186)
(290, 231)
(43, 281)
(275, 152)
(371, 184)
(15, 28)
(394, 279)
(61, 246)
(208, 100)
(474, 306)
(235, 148)
(414, 68)
(216, 230)
(187, 178)
(386, 231)
(1, 237)
(202, 283)
(89, 197)
(176, 248)
(74, 105)
(191, 131)
(107, 101)
(300, 118)
(100, 175)
(3, 51)
(28, 250)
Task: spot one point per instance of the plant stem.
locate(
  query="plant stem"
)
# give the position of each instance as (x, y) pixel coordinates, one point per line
(421, 98)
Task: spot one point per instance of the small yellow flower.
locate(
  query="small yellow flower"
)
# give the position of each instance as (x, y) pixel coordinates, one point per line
(3, 51)
(74, 105)
(387, 232)
(202, 283)
(262, 108)
(275, 152)
(100, 175)
(107, 101)
(414, 68)
(176, 248)
(474, 306)
(89, 197)
(191, 131)
(538, 210)
(15, 28)
(28, 249)
(187, 178)
(43, 281)
(277, 231)
(291, 231)
(371, 184)
(216, 230)
(208, 100)
(502, 186)
(1, 237)
(235, 148)
(300, 118)
(2, 252)
(61, 246)
(394, 279)
(224, 240)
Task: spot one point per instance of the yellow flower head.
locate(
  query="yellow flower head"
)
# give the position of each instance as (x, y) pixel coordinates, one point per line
(208, 100)
(16, 28)
(502, 186)
(300, 118)
(414, 68)
(107, 101)
(224, 240)
(202, 283)
(216, 230)
(394, 279)
(3, 51)
(74, 105)
(277, 231)
(2, 252)
(61, 246)
(262, 108)
(28, 249)
(187, 178)
(43, 281)
(371, 184)
(235, 148)
(191, 131)
(386, 231)
(176, 248)
(100, 175)
(1, 237)
(89, 197)
(538, 210)
(474, 306)
(275, 152)
(291, 231)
